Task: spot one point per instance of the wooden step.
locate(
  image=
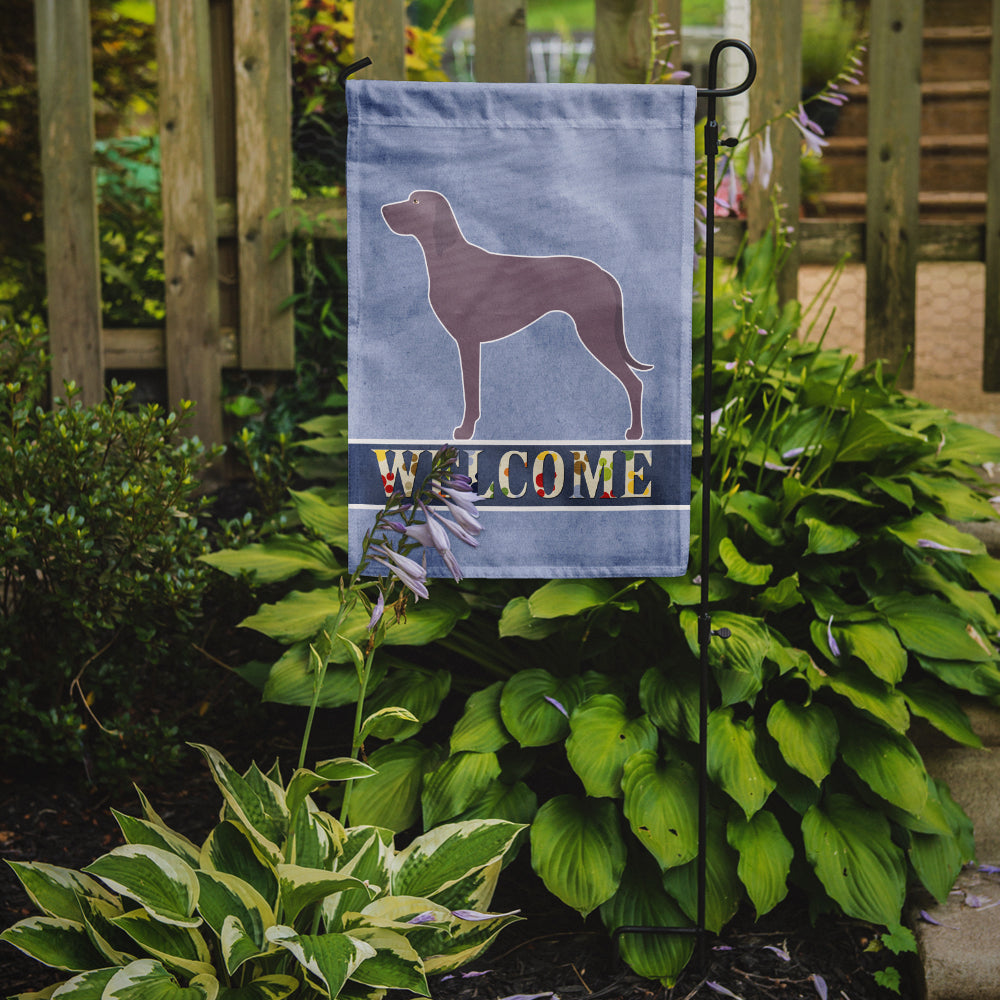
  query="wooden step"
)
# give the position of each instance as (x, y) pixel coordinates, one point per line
(947, 162)
(956, 53)
(957, 206)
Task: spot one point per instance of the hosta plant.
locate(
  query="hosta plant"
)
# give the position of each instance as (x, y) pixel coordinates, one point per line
(279, 900)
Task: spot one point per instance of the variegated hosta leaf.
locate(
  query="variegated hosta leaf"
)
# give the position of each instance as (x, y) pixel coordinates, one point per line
(481, 727)
(304, 782)
(456, 784)
(602, 737)
(807, 736)
(300, 887)
(395, 964)
(141, 831)
(54, 941)
(391, 799)
(146, 979)
(98, 915)
(177, 947)
(56, 891)
(888, 763)
(224, 897)
(256, 801)
(661, 799)
(535, 706)
(273, 987)
(578, 851)
(642, 902)
(230, 849)
(441, 857)
(476, 890)
(158, 880)
(850, 847)
(732, 760)
(723, 889)
(765, 858)
(367, 853)
(315, 838)
(329, 959)
(86, 986)
(467, 940)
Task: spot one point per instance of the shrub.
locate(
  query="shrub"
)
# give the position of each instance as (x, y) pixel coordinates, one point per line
(99, 539)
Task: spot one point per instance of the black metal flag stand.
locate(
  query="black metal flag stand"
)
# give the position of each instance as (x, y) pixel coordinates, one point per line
(705, 631)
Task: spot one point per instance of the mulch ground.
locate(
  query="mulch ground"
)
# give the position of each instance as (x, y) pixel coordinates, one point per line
(552, 952)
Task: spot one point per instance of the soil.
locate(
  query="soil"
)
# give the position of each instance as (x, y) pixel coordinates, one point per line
(551, 952)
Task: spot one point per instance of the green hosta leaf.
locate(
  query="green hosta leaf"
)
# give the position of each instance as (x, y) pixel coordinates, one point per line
(870, 435)
(723, 889)
(671, 699)
(738, 661)
(147, 979)
(141, 831)
(876, 646)
(976, 678)
(330, 959)
(391, 798)
(515, 803)
(850, 847)
(180, 948)
(261, 809)
(395, 964)
(159, 881)
(578, 851)
(965, 443)
(893, 488)
(558, 598)
(54, 941)
(941, 709)
(416, 689)
(758, 511)
(274, 987)
(641, 901)
(481, 728)
(765, 858)
(661, 798)
(456, 784)
(807, 736)
(301, 887)
(865, 692)
(986, 571)
(527, 711)
(974, 604)
(827, 539)
(304, 782)
(739, 569)
(783, 595)
(928, 528)
(327, 520)
(56, 891)
(292, 681)
(517, 620)
(279, 558)
(888, 763)
(732, 760)
(932, 628)
(386, 723)
(443, 856)
(230, 849)
(957, 501)
(225, 897)
(937, 860)
(602, 738)
(684, 592)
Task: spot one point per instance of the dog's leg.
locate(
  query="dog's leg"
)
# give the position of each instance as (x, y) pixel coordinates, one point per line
(470, 358)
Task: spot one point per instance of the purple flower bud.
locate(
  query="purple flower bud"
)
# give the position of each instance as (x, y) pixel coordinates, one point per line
(820, 983)
(427, 917)
(558, 705)
(834, 648)
(377, 612)
(475, 915)
(927, 543)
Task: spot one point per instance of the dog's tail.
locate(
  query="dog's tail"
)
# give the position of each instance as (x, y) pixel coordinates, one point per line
(623, 347)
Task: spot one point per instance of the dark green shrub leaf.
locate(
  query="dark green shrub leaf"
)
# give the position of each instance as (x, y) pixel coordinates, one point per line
(865, 692)
(738, 661)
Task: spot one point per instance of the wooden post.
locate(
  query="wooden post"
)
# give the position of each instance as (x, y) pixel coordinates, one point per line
(622, 40)
(380, 34)
(776, 35)
(501, 36)
(670, 12)
(261, 41)
(991, 333)
(190, 254)
(893, 183)
(72, 256)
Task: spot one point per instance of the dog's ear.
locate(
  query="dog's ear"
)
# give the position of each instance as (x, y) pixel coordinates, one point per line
(445, 228)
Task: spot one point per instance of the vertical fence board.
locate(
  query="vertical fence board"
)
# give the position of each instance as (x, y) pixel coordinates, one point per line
(893, 183)
(621, 40)
(501, 38)
(991, 333)
(262, 61)
(72, 257)
(190, 254)
(776, 34)
(380, 34)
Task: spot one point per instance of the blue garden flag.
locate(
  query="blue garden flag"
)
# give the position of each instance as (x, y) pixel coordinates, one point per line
(520, 274)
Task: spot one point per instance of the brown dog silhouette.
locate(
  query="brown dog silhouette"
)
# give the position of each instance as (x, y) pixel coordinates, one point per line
(481, 296)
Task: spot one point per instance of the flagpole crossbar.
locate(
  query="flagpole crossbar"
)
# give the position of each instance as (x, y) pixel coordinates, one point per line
(705, 630)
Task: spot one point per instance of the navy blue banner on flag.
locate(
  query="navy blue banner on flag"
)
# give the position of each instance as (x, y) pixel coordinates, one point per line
(520, 262)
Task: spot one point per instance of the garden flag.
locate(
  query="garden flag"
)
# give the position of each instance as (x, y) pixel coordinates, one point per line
(520, 262)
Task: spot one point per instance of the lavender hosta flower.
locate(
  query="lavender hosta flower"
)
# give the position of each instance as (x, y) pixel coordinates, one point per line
(760, 165)
(819, 983)
(410, 573)
(811, 132)
(476, 915)
(456, 529)
(427, 917)
(463, 519)
(831, 642)
(377, 612)
(557, 704)
(927, 543)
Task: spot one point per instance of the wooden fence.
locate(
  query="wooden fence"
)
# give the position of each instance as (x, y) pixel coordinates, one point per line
(226, 161)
